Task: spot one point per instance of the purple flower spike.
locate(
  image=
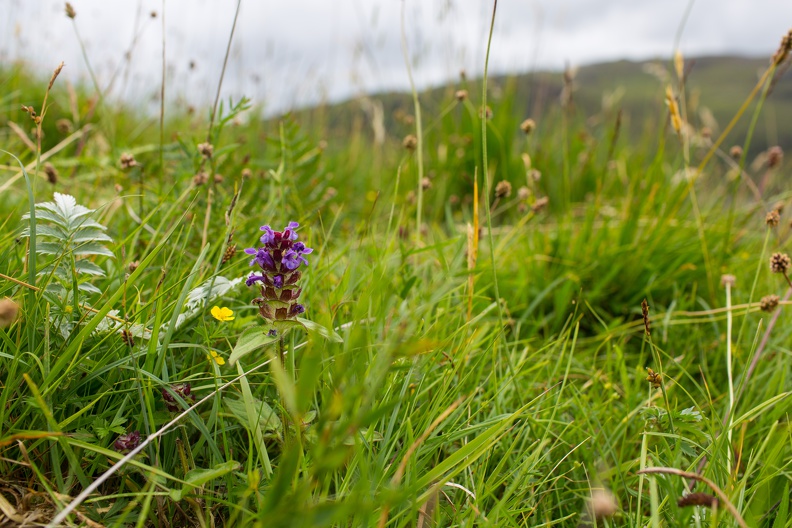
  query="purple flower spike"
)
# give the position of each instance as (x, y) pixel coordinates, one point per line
(279, 259)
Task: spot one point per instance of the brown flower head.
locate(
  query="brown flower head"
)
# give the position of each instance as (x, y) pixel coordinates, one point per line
(779, 263)
(461, 95)
(603, 504)
(8, 312)
(540, 204)
(127, 161)
(503, 189)
(70, 11)
(426, 184)
(655, 378)
(51, 172)
(205, 149)
(410, 142)
(523, 193)
(774, 157)
(127, 442)
(528, 126)
(200, 179)
(772, 219)
(736, 152)
(645, 314)
(728, 279)
(768, 303)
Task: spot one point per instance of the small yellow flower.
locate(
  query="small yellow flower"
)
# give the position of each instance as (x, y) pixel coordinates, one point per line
(222, 314)
(217, 358)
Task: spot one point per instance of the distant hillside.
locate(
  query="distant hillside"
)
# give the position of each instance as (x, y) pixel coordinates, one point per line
(715, 89)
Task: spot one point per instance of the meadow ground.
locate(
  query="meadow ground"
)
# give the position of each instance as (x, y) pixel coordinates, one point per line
(508, 322)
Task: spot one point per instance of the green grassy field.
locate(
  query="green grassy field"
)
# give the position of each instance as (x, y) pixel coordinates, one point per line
(473, 352)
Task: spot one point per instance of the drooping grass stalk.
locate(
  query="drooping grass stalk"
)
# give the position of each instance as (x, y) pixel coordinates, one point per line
(418, 127)
(486, 175)
(213, 116)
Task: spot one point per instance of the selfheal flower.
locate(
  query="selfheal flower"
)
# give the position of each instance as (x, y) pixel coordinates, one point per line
(127, 442)
(184, 390)
(279, 260)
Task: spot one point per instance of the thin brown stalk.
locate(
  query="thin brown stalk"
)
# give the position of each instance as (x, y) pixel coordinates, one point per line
(695, 476)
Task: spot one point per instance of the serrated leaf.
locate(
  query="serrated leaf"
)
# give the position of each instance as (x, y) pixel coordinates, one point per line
(198, 477)
(93, 248)
(91, 235)
(49, 248)
(47, 215)
(88, 287)
(316, 328)
(251, 339)
(267, 418)
(89, 268)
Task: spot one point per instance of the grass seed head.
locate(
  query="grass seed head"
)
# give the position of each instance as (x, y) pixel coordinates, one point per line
(461, 95)
(768, 303)
(773, 218)
(8, 312)
(523, 193)
(200, 179)
(783, 49)
(410, 142)
(426, 184)
(540, 204)
(736, 152)
(779, 263)
(70, 11)
(246, 173)
(229, 253)
(645, 314)
(64, 126)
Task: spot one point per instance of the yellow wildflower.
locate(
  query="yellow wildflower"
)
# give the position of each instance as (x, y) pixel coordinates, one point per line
(217, 358)
(222, 314)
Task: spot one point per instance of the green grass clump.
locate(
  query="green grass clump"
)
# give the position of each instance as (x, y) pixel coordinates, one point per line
(416, 396)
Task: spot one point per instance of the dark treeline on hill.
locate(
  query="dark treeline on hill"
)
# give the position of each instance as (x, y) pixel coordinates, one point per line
(715, 87)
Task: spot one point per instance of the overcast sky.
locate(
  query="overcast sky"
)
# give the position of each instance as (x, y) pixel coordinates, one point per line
(297, 52)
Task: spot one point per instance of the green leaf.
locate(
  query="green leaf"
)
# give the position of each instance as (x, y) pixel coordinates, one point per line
(783, 510)
(250, 340)
(198, 477)
(267, 418)
(316, 328)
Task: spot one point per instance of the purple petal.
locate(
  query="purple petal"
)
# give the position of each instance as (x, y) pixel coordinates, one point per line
(251, 251)
(253, 278)
(277, 281)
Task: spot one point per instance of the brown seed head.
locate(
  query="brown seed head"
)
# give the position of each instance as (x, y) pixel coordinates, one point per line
(55, 75)
(218, 178)
(503, 189)
(200, 179)
(8, 312)
(133, 266)
(488, 112)
(772, 219)
(778, 206)
(426, 184)
(153, 14)
(697, 499)
(783, 49)
(540, 204)
(728, 280)
(70, 11)
(736, 152)
(535, 174)
(205, 149)
(246, 173)
(410, 142)
(655, 378)
(127, 161)
(779, 263)
(774, 157)
(768, 303)
(645, 314)
(461, 95)
(51, 172)
(64, 126)
(127, 338)
(229, 253)
(528, 126)
(523, 193)
(603, 504)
